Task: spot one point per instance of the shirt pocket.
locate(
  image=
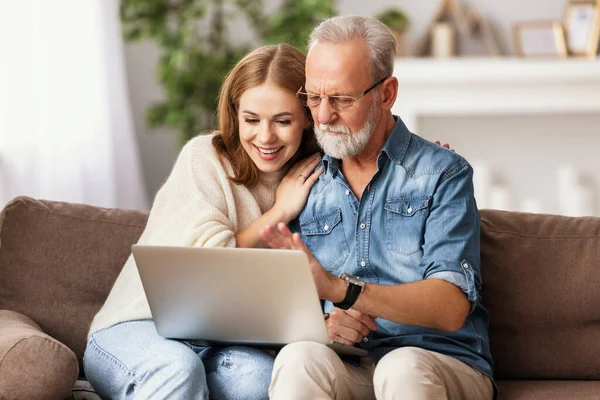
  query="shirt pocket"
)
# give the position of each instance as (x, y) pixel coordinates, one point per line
(324, 236)
(405, 223)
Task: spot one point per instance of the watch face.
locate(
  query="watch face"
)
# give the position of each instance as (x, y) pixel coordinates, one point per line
(354, 286)
(359, 283)
(352, 279)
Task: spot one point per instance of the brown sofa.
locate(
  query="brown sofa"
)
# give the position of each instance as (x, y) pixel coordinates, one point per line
(58, 261)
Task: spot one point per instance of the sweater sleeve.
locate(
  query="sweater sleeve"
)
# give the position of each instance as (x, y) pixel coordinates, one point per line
(195, 206)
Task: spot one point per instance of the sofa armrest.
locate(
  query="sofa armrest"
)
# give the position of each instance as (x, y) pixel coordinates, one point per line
(33, 365)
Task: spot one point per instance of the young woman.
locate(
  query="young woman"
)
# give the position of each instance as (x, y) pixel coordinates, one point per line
(255, 171)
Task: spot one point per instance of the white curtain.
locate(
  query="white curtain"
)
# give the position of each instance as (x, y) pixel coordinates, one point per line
(66, 131)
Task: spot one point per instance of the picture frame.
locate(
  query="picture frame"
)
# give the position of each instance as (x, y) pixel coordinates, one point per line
(545, 39)
(582, 27)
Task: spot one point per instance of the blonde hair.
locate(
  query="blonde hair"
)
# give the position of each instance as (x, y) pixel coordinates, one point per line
(281, 65)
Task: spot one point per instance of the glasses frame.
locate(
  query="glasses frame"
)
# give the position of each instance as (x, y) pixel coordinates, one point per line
(353, 99)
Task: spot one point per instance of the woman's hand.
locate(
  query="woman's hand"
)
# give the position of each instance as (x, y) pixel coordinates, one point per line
(293, 190)
(290, 198)
(446, 145)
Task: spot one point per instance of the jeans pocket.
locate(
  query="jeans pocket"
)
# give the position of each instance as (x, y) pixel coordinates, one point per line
(324, 235)
(405, 223)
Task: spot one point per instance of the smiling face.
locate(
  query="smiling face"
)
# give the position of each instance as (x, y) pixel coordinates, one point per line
(271, 123)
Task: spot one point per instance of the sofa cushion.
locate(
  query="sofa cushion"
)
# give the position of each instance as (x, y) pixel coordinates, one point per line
(541, 275)
(544, 390)
(58, 262)
(82, 390)
(33, 365)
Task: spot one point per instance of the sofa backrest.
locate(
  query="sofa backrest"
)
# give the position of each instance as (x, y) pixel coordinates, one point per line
(541, 280)
(58, 262)
(541, 287)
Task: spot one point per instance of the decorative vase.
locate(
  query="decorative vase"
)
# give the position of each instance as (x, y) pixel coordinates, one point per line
(400, 37)
(443, 42)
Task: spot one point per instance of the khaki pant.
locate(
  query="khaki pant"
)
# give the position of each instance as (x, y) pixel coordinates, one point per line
(308, 370)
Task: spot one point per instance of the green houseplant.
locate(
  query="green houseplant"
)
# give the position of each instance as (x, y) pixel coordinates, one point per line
(194, 61)
(398, 22)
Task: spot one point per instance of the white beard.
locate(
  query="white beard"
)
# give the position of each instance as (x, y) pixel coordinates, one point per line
(346, 144)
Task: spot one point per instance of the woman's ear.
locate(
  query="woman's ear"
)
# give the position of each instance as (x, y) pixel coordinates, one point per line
(309, 121)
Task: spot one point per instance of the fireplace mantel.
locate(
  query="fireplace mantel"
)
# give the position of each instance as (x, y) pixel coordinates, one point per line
(520, 122)
(495, 86)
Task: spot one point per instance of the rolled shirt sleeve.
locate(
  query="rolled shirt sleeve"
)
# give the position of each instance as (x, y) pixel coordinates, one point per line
(451, 249)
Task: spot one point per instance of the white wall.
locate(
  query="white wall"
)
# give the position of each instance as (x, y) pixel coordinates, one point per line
(524, 154)
(159, 148)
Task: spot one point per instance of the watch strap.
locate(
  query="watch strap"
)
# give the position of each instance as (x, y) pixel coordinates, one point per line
(352, 292)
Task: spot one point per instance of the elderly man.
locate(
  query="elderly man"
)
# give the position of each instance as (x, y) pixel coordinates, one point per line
(391, 229)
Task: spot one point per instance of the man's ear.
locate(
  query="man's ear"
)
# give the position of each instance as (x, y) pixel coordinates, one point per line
(390, 92)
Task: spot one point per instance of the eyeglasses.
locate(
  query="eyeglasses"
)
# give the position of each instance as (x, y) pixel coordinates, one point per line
(338, 103)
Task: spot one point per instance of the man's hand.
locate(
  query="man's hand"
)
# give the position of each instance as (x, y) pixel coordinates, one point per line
(349, 326)
(282, 238)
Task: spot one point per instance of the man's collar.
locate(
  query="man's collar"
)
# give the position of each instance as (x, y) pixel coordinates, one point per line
(330, 164)
(397, 143)
(395, 147)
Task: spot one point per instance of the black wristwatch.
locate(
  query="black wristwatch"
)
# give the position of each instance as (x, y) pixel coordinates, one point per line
(353, 288)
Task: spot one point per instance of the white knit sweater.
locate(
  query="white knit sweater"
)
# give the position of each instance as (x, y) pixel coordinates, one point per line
(197, 206)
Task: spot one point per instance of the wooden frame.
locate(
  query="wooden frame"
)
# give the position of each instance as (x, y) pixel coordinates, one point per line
(582, 27)
(540, 39)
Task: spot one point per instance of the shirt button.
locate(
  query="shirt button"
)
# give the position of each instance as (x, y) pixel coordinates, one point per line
(409, 210)
(362, 225)
(466, 266)
(365, 339)
(326, 227)
(347, 193)
(363, 263)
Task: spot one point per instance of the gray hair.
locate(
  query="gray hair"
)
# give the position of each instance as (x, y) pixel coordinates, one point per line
(379, 40)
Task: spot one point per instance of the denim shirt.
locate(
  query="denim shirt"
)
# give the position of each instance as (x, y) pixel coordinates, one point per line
(417, 219)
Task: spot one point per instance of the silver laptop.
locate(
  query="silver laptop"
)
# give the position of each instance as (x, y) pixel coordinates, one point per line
(259, 297)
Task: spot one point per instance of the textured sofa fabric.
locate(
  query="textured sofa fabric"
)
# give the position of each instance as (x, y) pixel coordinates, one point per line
(549, 390)
(541, 275)
(33, 365)
(541, 287)
(58, 262)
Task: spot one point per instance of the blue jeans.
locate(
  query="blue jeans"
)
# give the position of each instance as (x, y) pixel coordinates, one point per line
(131, 361)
